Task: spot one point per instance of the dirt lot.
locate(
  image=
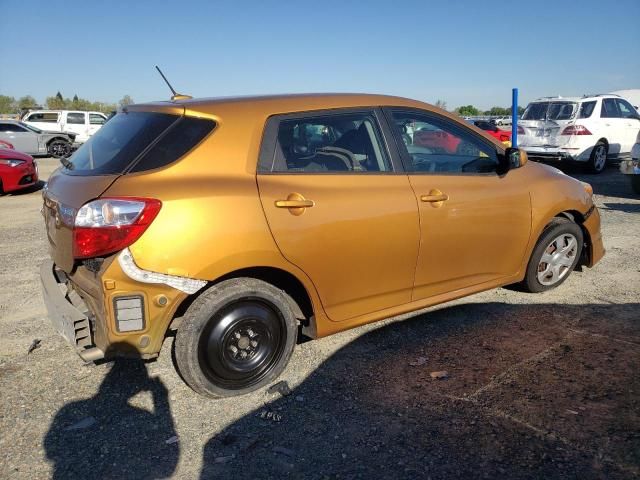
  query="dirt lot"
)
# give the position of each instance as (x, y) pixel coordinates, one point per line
(539, 386)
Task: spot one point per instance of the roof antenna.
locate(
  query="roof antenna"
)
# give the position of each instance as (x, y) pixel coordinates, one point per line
(176, 95)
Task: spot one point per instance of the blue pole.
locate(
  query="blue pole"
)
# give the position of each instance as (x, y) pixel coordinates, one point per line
(514, 117)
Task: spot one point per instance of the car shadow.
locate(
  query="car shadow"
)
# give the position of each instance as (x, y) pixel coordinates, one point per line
(468, 391)
(36, 187)
(106, 436)
(623, 207)
(610, 183)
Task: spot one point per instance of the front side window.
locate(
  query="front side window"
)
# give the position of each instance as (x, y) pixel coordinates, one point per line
(76, 118)
(626, 110)
(609, 108)
(342, 143)
(46, 117)
(95, 119)
(436, 145)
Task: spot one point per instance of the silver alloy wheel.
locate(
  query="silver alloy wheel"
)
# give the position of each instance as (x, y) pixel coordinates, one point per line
(557, 259)
(599, 158)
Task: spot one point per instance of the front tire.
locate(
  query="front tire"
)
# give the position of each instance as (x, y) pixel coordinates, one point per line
(236, 337)
(59, 148)
(555, 256)
(598, 158)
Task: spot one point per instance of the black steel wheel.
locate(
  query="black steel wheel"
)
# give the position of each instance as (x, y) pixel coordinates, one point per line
(235, 338)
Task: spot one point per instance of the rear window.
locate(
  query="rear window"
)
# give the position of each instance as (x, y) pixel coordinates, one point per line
(550, 111)
(145, 140)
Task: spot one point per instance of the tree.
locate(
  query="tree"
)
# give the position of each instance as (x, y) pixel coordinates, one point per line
(56, 102)
(7, 104)
(467, 111)
(59, 96)
(27, 102)
(124, 101)
(441, 104)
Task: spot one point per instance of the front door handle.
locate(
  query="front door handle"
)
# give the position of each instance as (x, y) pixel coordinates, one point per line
(435, 197)
(296, 204)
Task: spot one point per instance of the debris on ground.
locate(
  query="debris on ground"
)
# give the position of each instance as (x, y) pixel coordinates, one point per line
(441, 375)
(84, 423)
(285, 451)
(299, 398)
(224, 459)
(281, 387)
(171, 440)
(270, 415)
(35, 344)
(418, 362)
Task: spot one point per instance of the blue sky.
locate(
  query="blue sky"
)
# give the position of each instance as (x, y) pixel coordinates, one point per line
(463, 52)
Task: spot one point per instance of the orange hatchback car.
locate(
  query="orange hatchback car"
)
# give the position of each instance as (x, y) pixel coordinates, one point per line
(244, 223)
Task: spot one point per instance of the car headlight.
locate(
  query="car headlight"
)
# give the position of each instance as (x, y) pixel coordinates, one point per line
(11, 162)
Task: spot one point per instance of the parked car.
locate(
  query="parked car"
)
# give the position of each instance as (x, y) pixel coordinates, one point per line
(81, 124)
(33, 141)
(493, 130)
(236, 221)
(590, 129)
(17, 170)
(502, 120)
(631, 167)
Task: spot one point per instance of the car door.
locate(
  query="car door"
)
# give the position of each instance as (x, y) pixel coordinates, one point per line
(20, 137)
(339, 208)
(630, 123)
(613, 125)
(96, 120)
(76, 122)
(474, 223)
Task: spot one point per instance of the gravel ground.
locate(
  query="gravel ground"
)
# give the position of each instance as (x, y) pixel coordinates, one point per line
(539, 386)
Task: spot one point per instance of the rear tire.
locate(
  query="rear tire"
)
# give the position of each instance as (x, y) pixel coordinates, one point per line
(236, 337)
(635, 183)
(598, 158)
(554, 257)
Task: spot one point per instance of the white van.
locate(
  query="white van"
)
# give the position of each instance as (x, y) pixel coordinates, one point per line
(83, 124)
(590, 129)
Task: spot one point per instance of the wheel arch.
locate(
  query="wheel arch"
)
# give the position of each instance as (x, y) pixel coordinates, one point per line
(297, 293)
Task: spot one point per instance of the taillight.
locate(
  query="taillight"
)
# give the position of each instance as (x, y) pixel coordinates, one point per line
(520, 130)
(576, 130)
(109, 225)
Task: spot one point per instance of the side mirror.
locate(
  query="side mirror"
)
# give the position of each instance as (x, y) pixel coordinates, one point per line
(512, 158)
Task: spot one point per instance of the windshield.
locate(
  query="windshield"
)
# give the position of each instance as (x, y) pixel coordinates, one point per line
(33, 129)
(550, 111)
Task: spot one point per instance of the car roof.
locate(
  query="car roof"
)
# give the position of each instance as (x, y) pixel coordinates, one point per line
(273, 104)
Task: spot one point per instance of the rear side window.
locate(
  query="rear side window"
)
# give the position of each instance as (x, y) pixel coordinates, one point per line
(586, 109)
(76, 118)
(46, 117)
(122, 140)
(181, 138)
(332, 143)
(609, 108)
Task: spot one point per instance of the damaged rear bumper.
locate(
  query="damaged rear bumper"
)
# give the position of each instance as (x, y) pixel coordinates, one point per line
(67, 312)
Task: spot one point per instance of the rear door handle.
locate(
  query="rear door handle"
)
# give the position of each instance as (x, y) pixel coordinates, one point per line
(434, 197)
(294, 203)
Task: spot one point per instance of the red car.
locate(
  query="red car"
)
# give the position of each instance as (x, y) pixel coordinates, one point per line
(493, 130)
(17, 170)
(5, 144)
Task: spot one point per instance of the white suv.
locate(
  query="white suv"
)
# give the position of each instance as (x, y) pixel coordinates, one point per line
(590, 129)
(83, 124)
